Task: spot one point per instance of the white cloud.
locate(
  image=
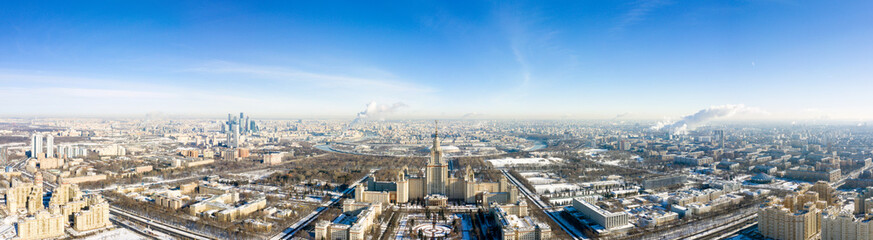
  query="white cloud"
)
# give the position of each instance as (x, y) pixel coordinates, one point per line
(57, 94)
(103, 93)
(322, 79)
(638, 12)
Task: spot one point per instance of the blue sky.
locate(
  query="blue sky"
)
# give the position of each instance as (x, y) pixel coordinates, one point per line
(445, 59)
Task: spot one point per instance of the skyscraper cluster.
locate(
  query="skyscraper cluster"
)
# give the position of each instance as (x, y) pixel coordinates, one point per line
(236, 126)
(36, 145)
(71, 151)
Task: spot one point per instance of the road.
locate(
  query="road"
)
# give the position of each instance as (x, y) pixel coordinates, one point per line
(703, 228)
(136, 229)
(545, 207)
(172, 230)
(300, 224)
(726, 229)
(853, 174)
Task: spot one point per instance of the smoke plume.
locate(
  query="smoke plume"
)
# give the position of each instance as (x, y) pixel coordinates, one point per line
(470, 115)
(621, 115)
(377, 111)
(690, 122)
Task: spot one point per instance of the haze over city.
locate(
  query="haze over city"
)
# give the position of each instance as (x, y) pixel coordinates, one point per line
(794, 60)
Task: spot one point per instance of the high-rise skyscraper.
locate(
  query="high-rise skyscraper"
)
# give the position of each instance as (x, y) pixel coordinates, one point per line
(236, 129)
(229, 125)
(35, 144)
(3, 155)
(720, 137)
(61, 151)
(233, 129)
(246, 125)
(49, 145)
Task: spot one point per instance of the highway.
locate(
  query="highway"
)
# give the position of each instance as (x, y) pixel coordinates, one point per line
(300, 224)
(726, 229)
(545, 207)
(138, 230)
(172, 230)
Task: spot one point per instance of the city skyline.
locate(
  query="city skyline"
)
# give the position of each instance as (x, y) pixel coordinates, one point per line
(436, 120)
(526, 60)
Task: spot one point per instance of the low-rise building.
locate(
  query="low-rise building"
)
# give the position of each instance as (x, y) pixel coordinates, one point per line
(692, 161)
(664, 181)
(807, 173)
(352, 224)
(516, 227)
(607, 219)
(764, 169)
(728, 166)
(232, 214)
(272, 158)
(657, 218)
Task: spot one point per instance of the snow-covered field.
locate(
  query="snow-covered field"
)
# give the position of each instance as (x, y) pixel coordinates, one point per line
(118, 233)
(788, 185)
(524, 161)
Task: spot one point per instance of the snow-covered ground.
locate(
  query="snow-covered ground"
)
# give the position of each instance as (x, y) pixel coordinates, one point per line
(524, 161)
(7, 230)
(611, 162)
(443, 227)
(780, 184)
(740, 237)
(312, 199)
(541, 180)
(593, 152)
(530, 174)
(256, 175)
(118, 233)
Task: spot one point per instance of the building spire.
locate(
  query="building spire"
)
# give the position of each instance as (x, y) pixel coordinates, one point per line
(436, 135)
(435, 151)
